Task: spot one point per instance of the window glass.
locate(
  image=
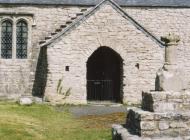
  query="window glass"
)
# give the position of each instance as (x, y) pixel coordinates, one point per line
(6, 39)
(21, 40)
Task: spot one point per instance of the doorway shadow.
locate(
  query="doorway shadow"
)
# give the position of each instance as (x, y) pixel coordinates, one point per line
(105, 76)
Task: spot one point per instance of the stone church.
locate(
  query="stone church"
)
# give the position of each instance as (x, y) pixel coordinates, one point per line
(95, 50)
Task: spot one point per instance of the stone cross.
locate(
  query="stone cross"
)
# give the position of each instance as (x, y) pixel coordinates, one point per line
(170, 78)
(171, 42)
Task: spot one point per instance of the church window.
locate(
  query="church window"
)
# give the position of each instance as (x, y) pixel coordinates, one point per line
(6, 39)
(21, 39)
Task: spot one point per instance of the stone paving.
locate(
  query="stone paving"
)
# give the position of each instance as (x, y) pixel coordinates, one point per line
(80, 111)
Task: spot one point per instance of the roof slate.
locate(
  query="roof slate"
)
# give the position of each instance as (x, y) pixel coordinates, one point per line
(145, 3)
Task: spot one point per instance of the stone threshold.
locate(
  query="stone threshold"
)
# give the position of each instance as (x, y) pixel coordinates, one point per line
(104, 103)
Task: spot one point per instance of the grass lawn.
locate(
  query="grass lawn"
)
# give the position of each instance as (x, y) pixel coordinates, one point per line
(43, 122)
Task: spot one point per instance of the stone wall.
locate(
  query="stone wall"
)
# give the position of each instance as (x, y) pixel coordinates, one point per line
(105, 28)
(161, 21)
(148, 124)
(166, 101)
(14, 78)
(17, 76)
(108, 28)
(169, 118)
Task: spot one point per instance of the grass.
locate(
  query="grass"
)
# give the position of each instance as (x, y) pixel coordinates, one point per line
(43, 122)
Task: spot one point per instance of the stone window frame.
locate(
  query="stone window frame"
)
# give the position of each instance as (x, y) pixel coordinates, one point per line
(3, 21)
(15, 19)
(17, 50)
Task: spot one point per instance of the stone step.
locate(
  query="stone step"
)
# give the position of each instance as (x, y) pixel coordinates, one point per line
(83, 10)
(48, 37)
(119, 132)
(166, 101)
(79, 14)
(58, 30)
(63, 26)
(68, 22)
(42, 42)
(149, 124)
(53, 33)
(73, 18)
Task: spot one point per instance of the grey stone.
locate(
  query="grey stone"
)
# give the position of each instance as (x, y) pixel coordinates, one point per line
(38, 100)
(25, 101)
(171, 41)
(165, 101)
(132, 138)
(167, 124)
(170, 80)
(148, 125)
(164, 107)
(167, 138)
(187, 138)
(178, 124)
(146, 139)
(163, 125)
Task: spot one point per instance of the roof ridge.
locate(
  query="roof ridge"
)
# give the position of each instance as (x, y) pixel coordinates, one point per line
(72, 25)
(90, 12)
(133, 3)
(59, 30)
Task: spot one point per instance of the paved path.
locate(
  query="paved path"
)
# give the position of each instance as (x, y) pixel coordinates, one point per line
(80, 111)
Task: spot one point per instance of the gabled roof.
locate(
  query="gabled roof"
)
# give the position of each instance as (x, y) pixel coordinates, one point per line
(96, 8)
(149, 3)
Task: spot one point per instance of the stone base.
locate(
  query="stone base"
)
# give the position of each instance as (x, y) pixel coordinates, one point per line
(149, 124)
(119, 132)
(166, 101)
(169, 79)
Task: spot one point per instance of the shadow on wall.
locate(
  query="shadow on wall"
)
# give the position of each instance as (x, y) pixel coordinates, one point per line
(41, 74)
(157, 84)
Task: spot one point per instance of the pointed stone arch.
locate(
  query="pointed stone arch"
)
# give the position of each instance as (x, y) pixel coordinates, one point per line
(105, 75)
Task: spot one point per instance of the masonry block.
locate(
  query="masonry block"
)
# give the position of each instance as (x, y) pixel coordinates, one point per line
(150, 124)
(166, 101)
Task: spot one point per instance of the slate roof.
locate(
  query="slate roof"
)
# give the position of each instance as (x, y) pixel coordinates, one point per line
(145, 3)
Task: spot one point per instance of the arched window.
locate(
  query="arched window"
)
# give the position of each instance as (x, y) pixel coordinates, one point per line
(6, 39)
(21, 39)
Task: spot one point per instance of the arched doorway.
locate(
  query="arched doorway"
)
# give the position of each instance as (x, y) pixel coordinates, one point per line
(104, 76)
